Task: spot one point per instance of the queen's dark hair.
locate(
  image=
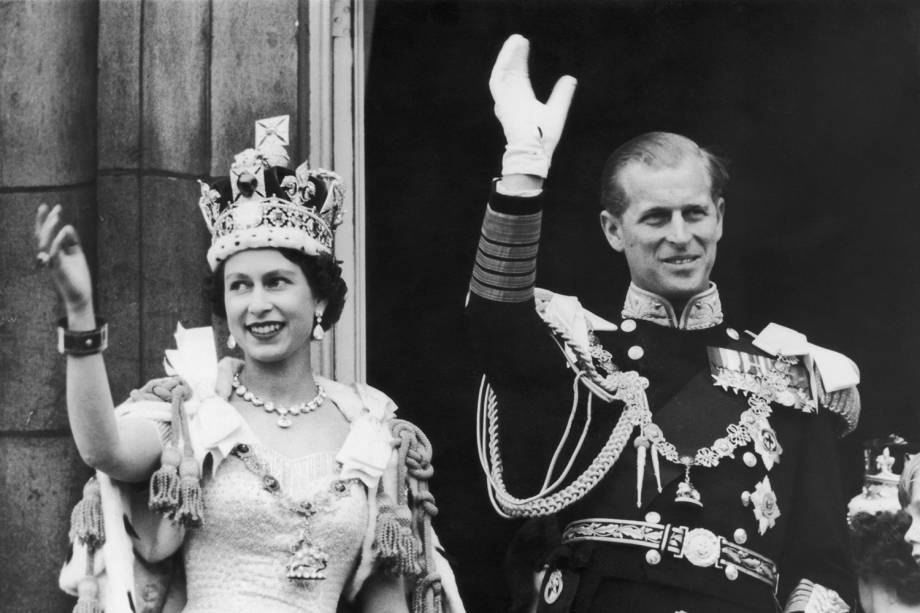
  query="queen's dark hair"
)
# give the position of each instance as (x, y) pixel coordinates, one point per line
(881, 555)
(323, 273)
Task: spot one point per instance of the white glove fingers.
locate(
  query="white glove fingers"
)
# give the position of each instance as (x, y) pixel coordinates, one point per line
(512, 57)
(509, 74)
(561, 98)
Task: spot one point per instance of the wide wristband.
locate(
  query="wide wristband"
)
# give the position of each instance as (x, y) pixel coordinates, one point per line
(83, 342)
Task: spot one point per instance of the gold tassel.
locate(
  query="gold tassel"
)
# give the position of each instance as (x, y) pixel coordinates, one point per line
(86, 519)
(191, 507)
(88, 596)
(408, 551)
(387, 533)
(164, 484)
(190, 511)
(397, 547)
(88, 588)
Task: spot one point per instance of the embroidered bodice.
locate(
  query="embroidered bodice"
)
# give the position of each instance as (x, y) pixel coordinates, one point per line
(704, 310)
(238, 559)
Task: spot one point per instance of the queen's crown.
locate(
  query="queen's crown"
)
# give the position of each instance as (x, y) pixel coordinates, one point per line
(264, 204)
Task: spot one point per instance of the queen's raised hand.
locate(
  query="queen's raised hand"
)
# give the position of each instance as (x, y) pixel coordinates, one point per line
(59, 251)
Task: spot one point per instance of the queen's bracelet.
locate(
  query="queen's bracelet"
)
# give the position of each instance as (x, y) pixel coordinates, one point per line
(83, 342)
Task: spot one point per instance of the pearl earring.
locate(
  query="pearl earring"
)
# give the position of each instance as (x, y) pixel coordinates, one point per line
(318, 332)
(231, 342)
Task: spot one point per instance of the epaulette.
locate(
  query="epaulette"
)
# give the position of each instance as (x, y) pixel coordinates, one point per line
(572, 327)
(833, 376)
(821, 379)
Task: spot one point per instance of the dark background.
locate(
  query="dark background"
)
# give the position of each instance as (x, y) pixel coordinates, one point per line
(815, 104)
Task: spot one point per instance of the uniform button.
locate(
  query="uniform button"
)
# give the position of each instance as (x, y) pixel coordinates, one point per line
(750, 460)
(635, 352)
(652, 517)
(731, 572)
(628, 325)
(732, 334)
(652, 556)
(740, 536)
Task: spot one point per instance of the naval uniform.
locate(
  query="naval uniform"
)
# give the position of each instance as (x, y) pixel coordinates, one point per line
(757, 523)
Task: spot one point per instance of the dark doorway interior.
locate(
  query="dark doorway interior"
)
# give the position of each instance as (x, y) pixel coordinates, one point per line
(817, 106)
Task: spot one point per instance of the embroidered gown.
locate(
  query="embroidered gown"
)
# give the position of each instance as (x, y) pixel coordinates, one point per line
(265, 513)
(238, 559)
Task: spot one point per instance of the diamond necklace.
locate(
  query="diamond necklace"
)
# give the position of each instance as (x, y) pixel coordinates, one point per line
(285, 413)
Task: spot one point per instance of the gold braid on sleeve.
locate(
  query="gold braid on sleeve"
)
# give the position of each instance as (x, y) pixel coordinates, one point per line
(811, 597)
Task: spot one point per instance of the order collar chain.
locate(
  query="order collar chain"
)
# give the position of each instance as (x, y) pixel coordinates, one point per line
(285, 413)
(753, 425)
(308, 559)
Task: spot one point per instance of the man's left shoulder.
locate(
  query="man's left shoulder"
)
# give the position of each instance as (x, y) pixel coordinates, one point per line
(805, 376)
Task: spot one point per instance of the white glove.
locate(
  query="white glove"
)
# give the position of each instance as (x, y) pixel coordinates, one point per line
(532, 128)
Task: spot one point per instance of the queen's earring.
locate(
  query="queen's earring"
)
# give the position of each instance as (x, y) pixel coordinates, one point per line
(231, 342)
(318, 332)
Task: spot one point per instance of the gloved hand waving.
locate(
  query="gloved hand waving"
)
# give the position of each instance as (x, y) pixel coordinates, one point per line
(532, 128)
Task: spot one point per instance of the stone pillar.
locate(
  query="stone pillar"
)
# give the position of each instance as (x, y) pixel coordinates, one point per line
(47, 154)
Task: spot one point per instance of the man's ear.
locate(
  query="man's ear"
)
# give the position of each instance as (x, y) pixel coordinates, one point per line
(613, 229)
(720, 209)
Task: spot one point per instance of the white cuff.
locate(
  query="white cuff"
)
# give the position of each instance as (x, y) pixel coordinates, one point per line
(525, 160)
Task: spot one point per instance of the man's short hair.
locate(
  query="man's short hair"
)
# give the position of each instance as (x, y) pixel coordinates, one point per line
(655, 150)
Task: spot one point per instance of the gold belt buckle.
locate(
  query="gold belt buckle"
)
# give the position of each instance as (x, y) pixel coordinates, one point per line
(701, 547)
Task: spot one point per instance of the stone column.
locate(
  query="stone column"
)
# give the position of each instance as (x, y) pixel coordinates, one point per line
(47, 154)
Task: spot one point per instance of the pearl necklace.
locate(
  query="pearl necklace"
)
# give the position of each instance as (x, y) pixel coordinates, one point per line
(285, 413)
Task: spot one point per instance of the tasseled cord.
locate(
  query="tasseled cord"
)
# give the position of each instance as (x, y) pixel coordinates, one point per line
(396, 545)
(175, 487)
(414, 472)
(86, 526)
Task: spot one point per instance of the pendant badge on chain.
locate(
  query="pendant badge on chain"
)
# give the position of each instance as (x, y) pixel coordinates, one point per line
(686, 491)
(308, 562)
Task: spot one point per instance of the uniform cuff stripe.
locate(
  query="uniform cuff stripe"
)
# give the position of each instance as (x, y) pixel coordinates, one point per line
(497, 294)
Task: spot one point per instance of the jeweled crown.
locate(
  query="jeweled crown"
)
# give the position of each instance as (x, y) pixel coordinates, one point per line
(263, 203)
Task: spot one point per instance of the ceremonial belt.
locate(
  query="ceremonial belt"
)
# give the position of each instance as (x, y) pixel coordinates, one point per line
(698, 546)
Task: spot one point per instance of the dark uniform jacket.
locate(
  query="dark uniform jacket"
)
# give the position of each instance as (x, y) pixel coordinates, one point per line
(771, 530)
